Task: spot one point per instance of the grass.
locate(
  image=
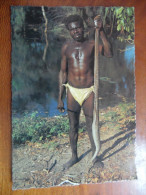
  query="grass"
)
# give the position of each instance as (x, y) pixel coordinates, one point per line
(34, 128)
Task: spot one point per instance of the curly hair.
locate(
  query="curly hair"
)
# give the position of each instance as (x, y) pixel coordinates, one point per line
(73, 18)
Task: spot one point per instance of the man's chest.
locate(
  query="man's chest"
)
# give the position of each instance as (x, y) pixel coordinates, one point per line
(80, 52)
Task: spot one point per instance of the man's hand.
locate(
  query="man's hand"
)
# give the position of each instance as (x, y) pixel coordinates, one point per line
(98, 22)
(60, 106)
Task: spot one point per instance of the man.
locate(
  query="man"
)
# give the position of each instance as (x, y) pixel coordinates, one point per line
(77, 75)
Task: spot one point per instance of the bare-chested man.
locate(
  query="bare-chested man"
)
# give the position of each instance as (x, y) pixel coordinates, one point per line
(77, 75)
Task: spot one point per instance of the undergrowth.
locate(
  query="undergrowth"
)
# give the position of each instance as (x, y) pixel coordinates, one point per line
(34, 128)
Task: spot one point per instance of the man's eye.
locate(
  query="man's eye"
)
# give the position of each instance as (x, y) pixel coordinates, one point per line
(72, 30)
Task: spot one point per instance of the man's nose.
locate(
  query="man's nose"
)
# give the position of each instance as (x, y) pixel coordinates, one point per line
(75, 30)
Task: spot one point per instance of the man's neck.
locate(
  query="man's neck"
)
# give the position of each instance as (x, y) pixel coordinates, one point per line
(79, 41)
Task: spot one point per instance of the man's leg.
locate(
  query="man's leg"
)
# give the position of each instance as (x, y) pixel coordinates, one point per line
(88, 106)
(73, 113)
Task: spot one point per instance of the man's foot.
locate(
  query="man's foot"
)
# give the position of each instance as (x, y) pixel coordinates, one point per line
(70, 163)
(97, 163)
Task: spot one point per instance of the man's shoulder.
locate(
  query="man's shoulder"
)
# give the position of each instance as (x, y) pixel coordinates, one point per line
(67, 43)
(64, 47)
(91, 41)
(89, 44)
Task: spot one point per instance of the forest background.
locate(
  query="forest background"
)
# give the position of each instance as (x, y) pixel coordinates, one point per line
(38, 34)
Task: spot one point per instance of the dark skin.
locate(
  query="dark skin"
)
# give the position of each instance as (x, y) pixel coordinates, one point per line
(77, 68)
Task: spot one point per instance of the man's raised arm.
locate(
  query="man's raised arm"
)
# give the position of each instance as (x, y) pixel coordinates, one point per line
(106, 49)
(62, 78)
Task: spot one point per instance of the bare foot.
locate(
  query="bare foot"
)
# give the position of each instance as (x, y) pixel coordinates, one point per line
(97, 164)
(70, 163)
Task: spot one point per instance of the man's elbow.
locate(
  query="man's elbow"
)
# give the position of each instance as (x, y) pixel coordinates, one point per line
(108, 55)
(107, 52)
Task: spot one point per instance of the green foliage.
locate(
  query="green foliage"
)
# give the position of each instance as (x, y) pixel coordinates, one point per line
(127, 109)
(120, 117)
(124, 111)
(59, 126)
(29, 71)
(120, 21)
(81, 130)
(125, 22)
(111, 116)
(35, 128)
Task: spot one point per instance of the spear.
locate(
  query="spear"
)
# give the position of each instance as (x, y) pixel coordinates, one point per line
(95, 124)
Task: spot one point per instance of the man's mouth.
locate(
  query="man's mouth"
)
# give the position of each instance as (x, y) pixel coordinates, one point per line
(78, 35)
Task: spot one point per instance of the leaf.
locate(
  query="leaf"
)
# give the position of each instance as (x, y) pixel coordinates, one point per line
(128, 29)
(122, 22)
(129, 11)
(119, 27)
(129, 37)
(119, 16)
(119, 11)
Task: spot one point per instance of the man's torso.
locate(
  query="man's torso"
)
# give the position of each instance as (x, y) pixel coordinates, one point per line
(80, 63)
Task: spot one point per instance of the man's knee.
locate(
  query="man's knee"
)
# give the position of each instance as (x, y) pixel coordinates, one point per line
(89, 121)
(89, 117)
(73, 120)
(74, 126)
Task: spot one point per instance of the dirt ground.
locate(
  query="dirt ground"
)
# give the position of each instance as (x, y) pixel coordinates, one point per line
(37, 165)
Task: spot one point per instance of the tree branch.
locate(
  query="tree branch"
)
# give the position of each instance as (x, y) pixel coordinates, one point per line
(45, 32)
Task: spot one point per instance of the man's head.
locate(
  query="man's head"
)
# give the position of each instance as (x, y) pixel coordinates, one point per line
(74, 23)
(73, 18)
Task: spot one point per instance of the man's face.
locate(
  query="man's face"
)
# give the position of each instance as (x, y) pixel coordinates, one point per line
(76, 31)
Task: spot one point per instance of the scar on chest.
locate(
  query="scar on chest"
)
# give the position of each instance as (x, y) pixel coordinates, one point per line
(78, 54)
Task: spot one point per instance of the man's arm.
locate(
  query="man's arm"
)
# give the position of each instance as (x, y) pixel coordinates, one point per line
(62, 78)
(106, 48)
(107, 51)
